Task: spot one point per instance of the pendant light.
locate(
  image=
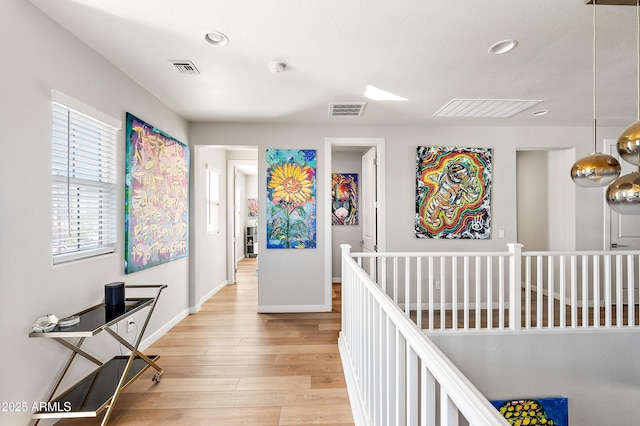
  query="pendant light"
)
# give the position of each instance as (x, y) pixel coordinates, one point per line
(623, 195)
(596, 169)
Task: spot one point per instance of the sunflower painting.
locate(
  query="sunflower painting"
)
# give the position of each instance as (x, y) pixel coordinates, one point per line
(291, 198)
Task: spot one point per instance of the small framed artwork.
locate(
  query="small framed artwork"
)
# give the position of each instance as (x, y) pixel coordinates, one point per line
(344, 199)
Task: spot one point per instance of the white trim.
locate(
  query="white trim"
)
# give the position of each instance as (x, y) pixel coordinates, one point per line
(290, 309)
(163, 330)
(206, 297)
(62, 98)
(357, 404)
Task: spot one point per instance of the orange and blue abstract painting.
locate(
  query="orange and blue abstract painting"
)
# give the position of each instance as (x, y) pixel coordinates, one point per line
(344, 199)
(453, 193)
(156, 197)
(291, 198)
(552, 411)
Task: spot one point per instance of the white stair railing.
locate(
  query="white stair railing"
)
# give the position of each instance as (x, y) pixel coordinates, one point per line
(395, 374)
(512, 290)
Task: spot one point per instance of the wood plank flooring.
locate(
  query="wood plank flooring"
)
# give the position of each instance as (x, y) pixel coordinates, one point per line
(228, 365)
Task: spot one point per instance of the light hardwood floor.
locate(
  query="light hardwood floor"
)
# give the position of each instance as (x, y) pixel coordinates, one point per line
(229, 365)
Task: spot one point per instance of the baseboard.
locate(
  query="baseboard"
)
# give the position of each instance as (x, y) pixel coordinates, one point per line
(336, 279)
(357, 404)
(195, 309)
(290, 309)
(163, 330)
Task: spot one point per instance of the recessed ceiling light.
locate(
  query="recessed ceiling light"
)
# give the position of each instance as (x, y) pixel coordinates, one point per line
(540, 113)
(277, 67)
(376, 94)
(503, 46)
(216, 38)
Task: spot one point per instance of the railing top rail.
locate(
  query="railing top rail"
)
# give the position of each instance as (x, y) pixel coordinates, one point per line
(433, 254)
(581, 253)
(467, 398)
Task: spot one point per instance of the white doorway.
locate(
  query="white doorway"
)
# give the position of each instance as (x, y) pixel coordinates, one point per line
(242, 186)
(375, 216)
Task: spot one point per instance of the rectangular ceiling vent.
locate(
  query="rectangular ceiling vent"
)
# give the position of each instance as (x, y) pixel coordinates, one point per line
(484, 108)
(346, 109)
(185, 67)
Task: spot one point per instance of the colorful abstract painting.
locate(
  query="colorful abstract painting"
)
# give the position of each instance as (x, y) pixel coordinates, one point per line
(252, 208)
(539, 411)
(156, 191)
(453, 193)
(291, 198)
(344, 199)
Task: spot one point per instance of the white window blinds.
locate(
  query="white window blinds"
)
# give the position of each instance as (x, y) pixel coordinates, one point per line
(84, 185)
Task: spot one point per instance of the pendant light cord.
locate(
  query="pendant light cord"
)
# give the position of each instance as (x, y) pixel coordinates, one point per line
(595, 139)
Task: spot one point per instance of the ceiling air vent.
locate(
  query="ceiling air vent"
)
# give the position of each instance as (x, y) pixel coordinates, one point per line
(346, 109)
(185, 67)
(484, 108)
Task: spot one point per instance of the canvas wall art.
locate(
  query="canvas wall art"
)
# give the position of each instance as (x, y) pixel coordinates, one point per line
(539, 411)
(252, 208)
(156, 191)
(291, 198)
(344, 199)
(453, 193)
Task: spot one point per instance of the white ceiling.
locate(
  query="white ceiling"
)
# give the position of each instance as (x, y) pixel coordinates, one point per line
(429, 51)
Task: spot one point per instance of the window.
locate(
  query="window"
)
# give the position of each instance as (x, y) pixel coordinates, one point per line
(212, 199)
(84, 182)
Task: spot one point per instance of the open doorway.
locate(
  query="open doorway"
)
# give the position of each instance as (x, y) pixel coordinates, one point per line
(545, 200)
(345, 156)
(242, 212)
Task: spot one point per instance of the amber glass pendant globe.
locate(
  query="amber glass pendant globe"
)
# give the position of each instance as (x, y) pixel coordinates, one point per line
(623, 195)
(596, 169)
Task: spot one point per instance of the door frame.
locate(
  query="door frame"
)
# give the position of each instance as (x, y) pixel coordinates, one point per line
(232, 166)
(329, 143)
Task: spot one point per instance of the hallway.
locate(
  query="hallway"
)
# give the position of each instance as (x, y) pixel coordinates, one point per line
(228, 365)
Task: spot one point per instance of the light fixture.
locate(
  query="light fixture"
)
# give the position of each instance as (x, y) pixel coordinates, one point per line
(503, 47)
(216, 38)
(596, 169)
(540, 112)
(376, 94)
(277, 67)
(623, 195)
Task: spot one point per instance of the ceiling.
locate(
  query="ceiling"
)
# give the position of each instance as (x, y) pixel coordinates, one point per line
(429, 52)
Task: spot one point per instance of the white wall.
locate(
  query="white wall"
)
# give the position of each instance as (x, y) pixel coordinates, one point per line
(209, 250)
(345, 162)
(50, 58)
(598, 372)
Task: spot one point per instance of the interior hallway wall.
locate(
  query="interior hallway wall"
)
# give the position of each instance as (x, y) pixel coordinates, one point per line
(30, 286)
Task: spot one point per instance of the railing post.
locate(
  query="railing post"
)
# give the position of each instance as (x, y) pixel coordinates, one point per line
(346, 250)
(515, 287)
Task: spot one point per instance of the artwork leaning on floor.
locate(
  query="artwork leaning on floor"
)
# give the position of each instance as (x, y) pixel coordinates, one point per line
(344, 199)
(291, 199)
(453, 193)
(540, 411)
(156, 197)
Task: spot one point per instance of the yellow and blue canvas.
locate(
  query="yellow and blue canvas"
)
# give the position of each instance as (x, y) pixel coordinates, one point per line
(552, 411)
(291, 198)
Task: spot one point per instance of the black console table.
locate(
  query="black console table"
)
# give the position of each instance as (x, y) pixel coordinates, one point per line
(100, 389)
